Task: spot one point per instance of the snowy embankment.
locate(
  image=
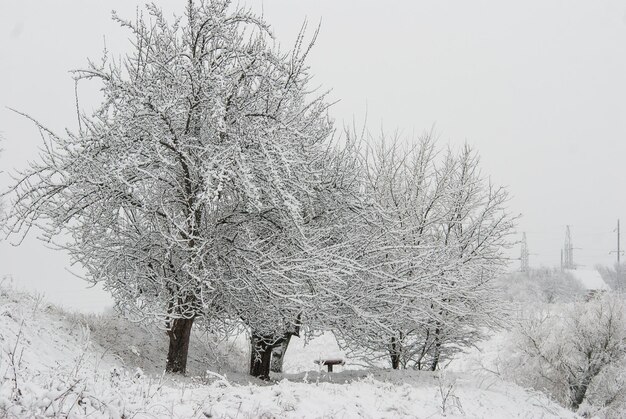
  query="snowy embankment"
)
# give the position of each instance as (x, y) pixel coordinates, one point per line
(53, 363)
(589, 279)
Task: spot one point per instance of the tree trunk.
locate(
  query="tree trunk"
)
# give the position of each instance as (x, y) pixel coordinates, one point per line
(578, 395)
(437, 350)
(394, 353)
(260, 357)
(579, 390)
(179, 334)
(278, 354)
(435, 363)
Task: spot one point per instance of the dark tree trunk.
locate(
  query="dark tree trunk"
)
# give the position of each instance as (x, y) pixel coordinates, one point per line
(179, 333)
(278, 354)
(436, 350)
(394, 353)
(435, 363)
(579, 390)
(578, 395)
(260, 357)
(268, 352)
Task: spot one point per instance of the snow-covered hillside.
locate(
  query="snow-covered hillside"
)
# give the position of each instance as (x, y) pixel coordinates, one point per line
(589, 279)
(54, 363)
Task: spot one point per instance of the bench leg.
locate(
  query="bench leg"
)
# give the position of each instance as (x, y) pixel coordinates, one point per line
(330, 367)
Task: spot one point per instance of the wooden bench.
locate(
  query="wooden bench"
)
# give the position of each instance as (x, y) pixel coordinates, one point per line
(330, 362)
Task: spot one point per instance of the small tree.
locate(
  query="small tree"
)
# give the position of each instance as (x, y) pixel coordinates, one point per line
(437, 229)
(476, 231)
(405, 194)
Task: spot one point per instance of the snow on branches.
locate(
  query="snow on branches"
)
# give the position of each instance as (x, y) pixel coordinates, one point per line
(209, 186)
(437, 228)
(196, 174)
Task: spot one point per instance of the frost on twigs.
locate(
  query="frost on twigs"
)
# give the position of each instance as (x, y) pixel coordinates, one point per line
(192, 191)
(208, 190)
(434, 231)
(576, 353)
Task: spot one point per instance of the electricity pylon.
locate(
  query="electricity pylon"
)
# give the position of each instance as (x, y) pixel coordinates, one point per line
(567, 254)
(524, 255)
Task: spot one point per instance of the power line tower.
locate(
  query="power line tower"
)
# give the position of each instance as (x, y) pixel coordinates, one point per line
(524, 255)
(567, 254)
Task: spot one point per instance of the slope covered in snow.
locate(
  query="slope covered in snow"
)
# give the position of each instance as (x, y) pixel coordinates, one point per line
(54, 363)
(590, 279)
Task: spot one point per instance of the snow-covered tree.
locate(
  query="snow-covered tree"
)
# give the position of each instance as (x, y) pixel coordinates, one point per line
(575, 354)
(404, 194)
(308, 283)
(190, 192)
(438, 229)
(476, 231)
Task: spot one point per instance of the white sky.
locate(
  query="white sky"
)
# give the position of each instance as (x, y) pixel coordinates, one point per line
(538, 87)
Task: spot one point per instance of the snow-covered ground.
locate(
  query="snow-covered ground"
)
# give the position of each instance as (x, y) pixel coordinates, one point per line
(54, 363)
(590, 279)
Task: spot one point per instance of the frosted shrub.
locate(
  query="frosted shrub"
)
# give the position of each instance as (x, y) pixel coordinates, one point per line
(576, 354)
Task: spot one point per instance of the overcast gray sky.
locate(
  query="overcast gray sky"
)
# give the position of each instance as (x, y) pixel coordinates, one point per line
(537, 87)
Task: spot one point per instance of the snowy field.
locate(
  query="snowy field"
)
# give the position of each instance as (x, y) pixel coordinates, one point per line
(216, 171)
(58, 364)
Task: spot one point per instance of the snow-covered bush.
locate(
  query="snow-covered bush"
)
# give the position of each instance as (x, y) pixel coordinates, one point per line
(576, 353)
